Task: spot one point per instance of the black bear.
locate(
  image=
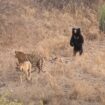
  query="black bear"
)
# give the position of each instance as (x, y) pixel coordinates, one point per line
(77, 41)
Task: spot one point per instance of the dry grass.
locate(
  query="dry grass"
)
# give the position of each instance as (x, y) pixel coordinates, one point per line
(32, 29)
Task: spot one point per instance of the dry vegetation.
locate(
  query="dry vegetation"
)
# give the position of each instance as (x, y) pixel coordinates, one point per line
(44, 26)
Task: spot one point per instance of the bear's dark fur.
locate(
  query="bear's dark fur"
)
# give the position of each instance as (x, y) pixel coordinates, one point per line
(77, 41)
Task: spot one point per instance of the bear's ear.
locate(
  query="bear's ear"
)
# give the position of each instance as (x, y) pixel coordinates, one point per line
(73, 30)
(78, 31)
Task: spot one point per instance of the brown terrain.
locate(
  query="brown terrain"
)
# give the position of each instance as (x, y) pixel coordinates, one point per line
(44, 26)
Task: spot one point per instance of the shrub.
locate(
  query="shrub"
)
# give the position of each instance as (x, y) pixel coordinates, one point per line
(102, 18)
(5, 101)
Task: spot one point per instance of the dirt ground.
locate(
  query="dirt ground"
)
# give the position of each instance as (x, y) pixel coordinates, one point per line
(69, 80)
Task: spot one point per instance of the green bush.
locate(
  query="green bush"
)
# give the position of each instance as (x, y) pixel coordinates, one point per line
(102, 18)
(5, 101)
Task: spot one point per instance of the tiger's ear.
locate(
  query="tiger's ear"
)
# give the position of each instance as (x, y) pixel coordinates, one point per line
(15, 52)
